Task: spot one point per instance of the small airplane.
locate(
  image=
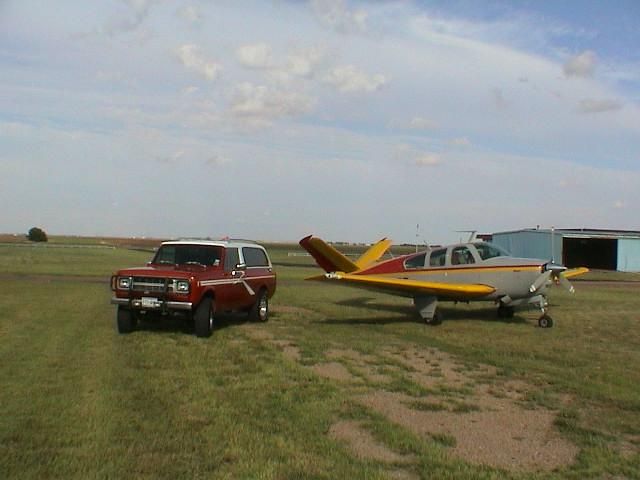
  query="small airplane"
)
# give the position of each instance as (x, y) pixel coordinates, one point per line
(464, 272)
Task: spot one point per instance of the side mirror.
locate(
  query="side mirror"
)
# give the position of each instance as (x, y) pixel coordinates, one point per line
(241, 266)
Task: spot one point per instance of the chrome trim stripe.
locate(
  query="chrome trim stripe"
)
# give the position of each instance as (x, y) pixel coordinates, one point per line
(209, 283)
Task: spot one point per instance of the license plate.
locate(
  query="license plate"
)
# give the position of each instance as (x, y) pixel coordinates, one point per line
(149, 302)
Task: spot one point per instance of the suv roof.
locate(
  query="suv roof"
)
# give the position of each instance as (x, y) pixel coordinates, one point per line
(216, 243)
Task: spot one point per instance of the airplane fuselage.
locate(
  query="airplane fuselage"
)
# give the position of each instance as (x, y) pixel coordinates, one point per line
(463, 264)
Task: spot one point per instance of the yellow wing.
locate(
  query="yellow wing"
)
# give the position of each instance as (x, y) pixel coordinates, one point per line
(575, 272)
(411, 288)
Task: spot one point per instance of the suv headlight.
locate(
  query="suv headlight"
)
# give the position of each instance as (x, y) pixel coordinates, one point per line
(124, 283)
(182, 286)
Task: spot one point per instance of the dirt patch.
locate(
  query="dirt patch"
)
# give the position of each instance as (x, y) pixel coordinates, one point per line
(333, 371)
(482, 413)
(630, 446)
(507, 436)
(364, 365)
(257, 333)
(289, 349)
(432, 368)
(362, 444)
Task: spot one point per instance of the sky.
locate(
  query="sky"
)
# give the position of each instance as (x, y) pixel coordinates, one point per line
(350, 120)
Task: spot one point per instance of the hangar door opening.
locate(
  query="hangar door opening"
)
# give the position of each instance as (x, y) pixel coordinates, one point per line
(600, 253)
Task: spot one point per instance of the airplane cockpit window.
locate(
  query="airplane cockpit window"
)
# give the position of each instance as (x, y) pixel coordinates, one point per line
(438, 257)
(461, 256)
(487, 251)
(417, 261)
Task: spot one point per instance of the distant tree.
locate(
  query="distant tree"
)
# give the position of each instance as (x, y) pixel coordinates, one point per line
(37, 235)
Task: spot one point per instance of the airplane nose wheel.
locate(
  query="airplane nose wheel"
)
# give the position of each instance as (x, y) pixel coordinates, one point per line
(545, 321)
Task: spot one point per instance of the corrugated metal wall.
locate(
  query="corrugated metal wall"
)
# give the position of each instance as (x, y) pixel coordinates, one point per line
(537, 244)
(531, 244)
(629, 255)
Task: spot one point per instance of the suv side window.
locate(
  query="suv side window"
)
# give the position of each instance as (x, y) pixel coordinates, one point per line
(255, 257)
(231, 259)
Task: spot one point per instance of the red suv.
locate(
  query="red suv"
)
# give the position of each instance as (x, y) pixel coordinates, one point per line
(196, 279)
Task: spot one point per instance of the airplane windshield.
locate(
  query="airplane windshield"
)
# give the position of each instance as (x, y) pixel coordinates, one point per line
(487, 251)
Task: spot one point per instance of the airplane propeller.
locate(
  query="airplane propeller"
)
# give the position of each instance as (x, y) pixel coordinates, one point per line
(554, 272)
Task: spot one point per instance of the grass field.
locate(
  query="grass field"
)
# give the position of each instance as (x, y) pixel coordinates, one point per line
(338, 384)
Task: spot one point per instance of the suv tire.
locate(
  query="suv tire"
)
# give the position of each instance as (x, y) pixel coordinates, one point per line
(203, 318)
(260, 310)
(126, 322)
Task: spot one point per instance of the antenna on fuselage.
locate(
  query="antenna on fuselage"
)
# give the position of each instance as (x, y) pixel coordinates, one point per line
(472, 235)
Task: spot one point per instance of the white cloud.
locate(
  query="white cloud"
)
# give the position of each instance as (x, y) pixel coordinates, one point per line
(410, 155)
(217, 160)
(415, 123)
(421, 123)
(191, 14)
(260, 105)
(460, 142)
(192, 58)
(598, 106)
(257, 55)
(336, 15)
(582, 65)
(428, 160)
(169, 159)
(139, 11)
(498, 98)
(348, 78)
(304, 62)
(190, 90)
(15, 129)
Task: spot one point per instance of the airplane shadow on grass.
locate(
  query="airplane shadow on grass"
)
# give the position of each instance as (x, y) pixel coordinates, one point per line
(408, 314)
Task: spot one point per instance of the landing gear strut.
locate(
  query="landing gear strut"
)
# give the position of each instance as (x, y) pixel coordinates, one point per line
(427, 307)
(545, 321)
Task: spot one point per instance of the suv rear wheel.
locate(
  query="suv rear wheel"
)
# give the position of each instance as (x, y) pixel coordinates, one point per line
(203, 318)
(260, 310)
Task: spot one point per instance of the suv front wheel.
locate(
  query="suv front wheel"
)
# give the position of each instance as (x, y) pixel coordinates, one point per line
(126, 320)
(203, 318)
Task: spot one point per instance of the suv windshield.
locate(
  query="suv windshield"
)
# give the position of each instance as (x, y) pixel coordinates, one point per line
(206, 255)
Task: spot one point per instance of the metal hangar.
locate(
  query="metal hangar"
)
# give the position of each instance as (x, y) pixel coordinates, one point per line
(576, 247)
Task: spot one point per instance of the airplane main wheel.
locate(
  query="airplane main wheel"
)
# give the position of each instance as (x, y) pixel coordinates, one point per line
(436, 319)
(545, 321)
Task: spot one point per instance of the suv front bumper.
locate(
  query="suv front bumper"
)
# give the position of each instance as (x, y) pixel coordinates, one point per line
(151, 304)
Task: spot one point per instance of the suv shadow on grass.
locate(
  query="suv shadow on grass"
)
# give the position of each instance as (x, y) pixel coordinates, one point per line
(172, 324)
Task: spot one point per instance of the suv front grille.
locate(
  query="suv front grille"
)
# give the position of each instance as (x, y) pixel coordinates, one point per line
(152, 284)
